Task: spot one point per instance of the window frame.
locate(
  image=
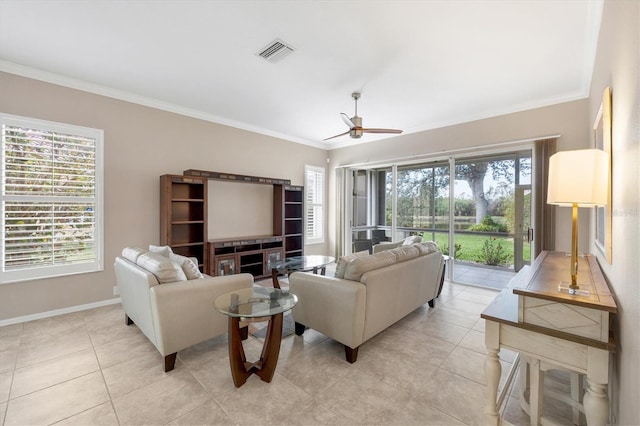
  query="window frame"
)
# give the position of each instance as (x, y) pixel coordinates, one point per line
(50, 271)
(317, 205)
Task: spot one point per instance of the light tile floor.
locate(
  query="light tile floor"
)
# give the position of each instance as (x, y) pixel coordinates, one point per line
(88, 368)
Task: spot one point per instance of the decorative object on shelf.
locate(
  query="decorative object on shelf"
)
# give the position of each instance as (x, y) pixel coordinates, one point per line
(602, 138)
(355, 124)
(577, 179)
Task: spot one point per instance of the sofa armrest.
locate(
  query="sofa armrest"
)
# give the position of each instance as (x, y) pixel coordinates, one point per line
(134, 284)
(333, 306)
(184, 313)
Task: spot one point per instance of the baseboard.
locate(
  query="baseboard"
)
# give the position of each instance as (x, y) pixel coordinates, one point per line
(56, 312)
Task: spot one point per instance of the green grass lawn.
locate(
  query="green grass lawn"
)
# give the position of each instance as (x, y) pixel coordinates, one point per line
(472, 245)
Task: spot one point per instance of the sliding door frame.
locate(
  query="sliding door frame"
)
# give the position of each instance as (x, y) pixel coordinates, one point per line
(507, 148)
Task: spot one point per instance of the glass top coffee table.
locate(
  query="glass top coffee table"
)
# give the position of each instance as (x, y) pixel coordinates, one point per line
(254, 304)
(313, 263)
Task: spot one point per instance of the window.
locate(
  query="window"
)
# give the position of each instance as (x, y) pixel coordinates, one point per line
(51, 199)
(314, 204)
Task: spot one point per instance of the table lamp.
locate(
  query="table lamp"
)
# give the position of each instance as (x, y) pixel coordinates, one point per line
(577, 179)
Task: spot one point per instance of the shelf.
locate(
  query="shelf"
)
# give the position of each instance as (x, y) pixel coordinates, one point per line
(293, 211)
(193, 243)
(183, 216)
(293, 253)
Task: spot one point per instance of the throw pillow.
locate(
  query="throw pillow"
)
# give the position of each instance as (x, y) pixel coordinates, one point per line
(162, 267)
(403, 253)
(357, 267)
(163, 250)
(412, 240)
(132, 253)
(190, 269)
(426, 247)
(344, 261)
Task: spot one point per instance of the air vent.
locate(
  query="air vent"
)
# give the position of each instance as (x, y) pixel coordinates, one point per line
(276, 51)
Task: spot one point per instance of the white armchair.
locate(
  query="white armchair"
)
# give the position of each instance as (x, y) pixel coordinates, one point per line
(406, 242)
(173, 312)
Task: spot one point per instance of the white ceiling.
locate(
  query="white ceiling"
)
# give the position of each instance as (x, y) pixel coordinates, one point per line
(418, 64)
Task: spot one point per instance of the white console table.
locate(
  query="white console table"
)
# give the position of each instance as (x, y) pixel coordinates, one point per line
(572, 332)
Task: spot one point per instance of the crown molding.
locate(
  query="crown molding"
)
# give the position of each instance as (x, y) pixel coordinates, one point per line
(96, 89)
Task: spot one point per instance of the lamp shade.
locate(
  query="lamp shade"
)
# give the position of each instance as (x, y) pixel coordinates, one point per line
(578, 177)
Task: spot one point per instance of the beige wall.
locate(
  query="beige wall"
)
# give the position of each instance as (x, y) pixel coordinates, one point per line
(569, 120)
(141, 144)
(617, 66)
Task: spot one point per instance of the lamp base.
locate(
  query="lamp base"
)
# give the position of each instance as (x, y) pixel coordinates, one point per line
(566, 288)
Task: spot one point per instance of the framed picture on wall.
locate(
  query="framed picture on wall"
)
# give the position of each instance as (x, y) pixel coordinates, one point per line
(602, 137)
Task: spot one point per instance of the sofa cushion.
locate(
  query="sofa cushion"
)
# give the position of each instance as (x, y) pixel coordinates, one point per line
(132, 253)
(357, 267)
(403, 253)
(411, 240)
(163, 250)
(344, 261)
(162, 267)
(426, 247)
(189, 268)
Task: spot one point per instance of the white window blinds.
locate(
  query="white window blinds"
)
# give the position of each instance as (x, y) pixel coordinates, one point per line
(314, 204)
(51, 199)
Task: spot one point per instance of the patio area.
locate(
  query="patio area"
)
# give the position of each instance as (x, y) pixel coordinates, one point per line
(480, 276)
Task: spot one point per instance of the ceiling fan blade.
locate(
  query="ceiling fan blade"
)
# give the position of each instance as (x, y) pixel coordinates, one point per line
(381, 131)
(337, 136)
(347, 120)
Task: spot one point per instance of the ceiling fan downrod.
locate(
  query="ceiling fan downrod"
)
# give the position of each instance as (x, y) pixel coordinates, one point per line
(356, 96)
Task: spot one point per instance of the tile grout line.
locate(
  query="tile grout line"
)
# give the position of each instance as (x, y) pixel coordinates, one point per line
(13, 374)
(104, 380)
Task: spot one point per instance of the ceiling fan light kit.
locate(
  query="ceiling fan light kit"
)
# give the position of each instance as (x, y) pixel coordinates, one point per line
(355, 123)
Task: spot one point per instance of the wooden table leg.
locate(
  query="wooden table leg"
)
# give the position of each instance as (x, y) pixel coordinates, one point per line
(596, 399)
(237, 358)
(492, 370)
(596, 403)
(536, 382)
(271, 348)
(265, 367)
(274, 278)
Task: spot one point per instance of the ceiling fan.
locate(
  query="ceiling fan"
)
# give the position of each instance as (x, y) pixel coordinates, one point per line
(355, 124)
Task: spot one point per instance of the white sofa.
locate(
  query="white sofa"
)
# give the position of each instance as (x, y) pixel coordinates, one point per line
(375, 292)
(174, 312)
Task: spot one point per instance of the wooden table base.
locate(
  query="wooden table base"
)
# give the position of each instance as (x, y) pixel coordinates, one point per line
(265, 367)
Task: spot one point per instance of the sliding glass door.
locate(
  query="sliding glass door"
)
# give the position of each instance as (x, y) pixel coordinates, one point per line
(492, 215)
(422, 206)
(477, 209)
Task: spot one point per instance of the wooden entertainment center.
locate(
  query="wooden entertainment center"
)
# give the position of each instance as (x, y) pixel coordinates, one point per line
(184, 220)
